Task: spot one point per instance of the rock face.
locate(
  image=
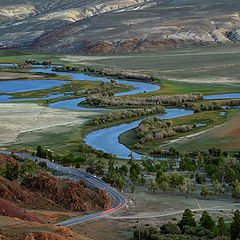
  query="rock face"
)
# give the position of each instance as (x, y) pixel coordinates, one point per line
(22, 197)
(160, 26)
(67, 193)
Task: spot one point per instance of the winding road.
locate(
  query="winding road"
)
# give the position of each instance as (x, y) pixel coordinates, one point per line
(118, 199)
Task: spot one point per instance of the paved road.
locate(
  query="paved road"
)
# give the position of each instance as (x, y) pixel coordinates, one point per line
(119, 200)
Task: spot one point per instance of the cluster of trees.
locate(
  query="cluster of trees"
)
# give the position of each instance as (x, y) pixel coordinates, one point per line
(171, 152)
(66, 69)
(233, 102)
(125, 114)
(171, 181)
(188, 228)
(85, 152)
(176, 100)
(210, 153)
(105, 89)
(101, 72)
(34, 62)
(23, 66)
(207, 107)
(44, 153)
(219, 166)
(154, 129)
(27, 168)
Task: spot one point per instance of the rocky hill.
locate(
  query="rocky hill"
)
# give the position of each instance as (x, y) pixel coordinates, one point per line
(5, 159)
(123, 26)
(67, 193)
(22, 21)
(23, 197)
(160, 25)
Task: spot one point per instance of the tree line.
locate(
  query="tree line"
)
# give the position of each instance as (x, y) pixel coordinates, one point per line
(154, 129)
(103, 101)
(105, 73)
(125, 114)
(188, 228)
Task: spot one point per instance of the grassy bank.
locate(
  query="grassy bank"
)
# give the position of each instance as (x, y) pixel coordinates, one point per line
(211, 118)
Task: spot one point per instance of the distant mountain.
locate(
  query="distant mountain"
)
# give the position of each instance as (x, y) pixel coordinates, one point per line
(22, 21)
(119, 26)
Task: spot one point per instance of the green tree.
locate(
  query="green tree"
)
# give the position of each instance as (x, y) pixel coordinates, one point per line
(236, 190)
(222, 229)
(77, 165)
(164, 186)
(133, 176)
(153, 186)
(201, 179)
(204, 192)
(29, 168)
(206, 221)
(133, 188)
(218, 188)
(188, 219)
(12, 171)
(235, 226)
(142, 180)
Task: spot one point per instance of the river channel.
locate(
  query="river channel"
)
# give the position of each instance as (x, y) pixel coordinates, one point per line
(105, 139)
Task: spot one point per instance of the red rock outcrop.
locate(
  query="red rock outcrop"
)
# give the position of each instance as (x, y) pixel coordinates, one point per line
(69, 194)
(5, 159)
(21, 196)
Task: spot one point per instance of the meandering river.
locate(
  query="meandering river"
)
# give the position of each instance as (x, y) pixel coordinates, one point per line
(105, 139)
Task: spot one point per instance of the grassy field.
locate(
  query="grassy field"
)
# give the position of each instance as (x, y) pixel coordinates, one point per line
(41, 124)
(211, 118)
(208, 70)
(225, 136)
(201, 64)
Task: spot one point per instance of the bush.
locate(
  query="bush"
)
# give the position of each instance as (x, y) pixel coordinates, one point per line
(201, 179)
(189, 230)
(171, 228)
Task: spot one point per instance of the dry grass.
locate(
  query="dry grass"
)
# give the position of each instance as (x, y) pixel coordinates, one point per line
(21, 118)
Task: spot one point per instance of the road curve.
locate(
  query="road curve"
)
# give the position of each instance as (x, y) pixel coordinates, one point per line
(118, 199)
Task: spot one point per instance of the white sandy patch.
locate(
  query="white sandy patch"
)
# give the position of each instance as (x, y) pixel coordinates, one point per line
(18, 118)
(12, 76)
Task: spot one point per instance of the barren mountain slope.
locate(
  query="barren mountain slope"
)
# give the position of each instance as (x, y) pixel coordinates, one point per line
(23, 21)
(162, 25)
(117, 26)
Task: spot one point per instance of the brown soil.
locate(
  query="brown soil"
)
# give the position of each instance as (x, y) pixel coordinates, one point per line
(5, 159)
(67, 193)
(22, 197)
(12, 210)
(231, 128)
(38, 231)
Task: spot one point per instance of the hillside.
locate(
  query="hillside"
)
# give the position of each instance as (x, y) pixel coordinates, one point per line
(21, 230)
(67, 193)
(110, 26)
(21, 22)
(12, 210)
